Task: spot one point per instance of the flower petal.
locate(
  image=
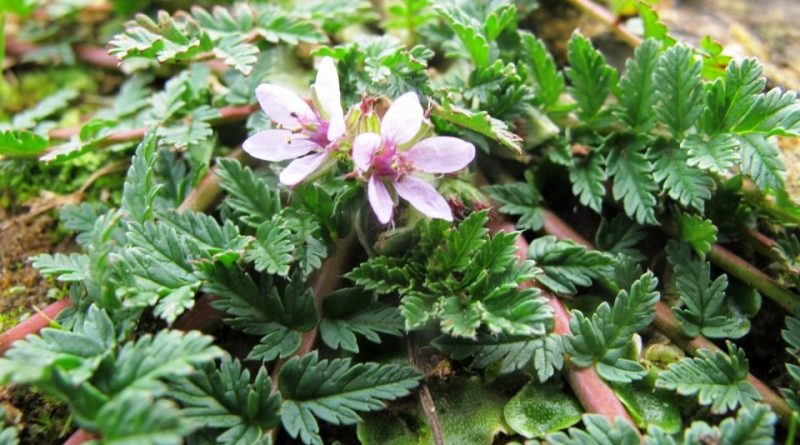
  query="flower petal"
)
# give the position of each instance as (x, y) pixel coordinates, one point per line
(380, 199)
(277, 145)
(423, 197)
(403, 119)
(326, 89)
(363, 148)
(441, 154)
(284, 106)
(301, 168)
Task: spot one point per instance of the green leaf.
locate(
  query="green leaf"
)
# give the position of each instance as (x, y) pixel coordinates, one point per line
(276, 25)
(144, 364)
(235, 51)
(718, 379)
(564, 265)
(350, 313)
(729, 101)
(547, 78)
(247, 194)
(22, 144)
(49, 105)
(481, 123)
(653, 27)
(65, 267)
(138, 418)
(204, 236)
(688, 186)
(704, 310)
(590, 76)
(335, 391)
(700, 233)
(761, 161)
(225, 399)
(463, 243)
(508, 353)
(620, 236)
(773, 113)
(469, 32)
(519, 198)
(382, 274)
(717, 155)
(598, 432)
(588, 181)
(273, 248)
(634, 184)
(791, 335)
(648, 407)
(679, 89)
(140, 190)
(184, 135)
(603, 340)
(537, 410)
(638, 88)
(8, 434)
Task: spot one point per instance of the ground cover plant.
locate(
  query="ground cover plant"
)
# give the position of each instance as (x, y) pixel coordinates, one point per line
(400, 222)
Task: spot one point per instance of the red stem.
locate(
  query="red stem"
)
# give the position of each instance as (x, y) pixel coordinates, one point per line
(592, 392)
(33, 324)
(91, 54)
(79, 437)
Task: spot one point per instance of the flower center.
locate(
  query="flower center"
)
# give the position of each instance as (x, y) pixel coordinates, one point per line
(388, 163)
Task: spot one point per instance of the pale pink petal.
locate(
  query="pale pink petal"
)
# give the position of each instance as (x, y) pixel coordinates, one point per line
(380, 199)
(363, 148)
(301, 168)
(403, 119)
(284, 106)
(441, 154)
(326, 88)
(277, 145)
(423, 197)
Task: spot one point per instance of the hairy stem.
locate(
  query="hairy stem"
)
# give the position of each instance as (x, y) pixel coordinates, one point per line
(666, 322)
(424, 393)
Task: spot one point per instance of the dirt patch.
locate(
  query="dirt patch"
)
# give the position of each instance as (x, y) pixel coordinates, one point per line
(40, 419)
(21, 286)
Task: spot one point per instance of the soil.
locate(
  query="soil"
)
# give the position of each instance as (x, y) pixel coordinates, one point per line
(41, 420)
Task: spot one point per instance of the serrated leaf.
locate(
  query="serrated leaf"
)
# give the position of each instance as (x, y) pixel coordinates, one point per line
(704, 310)
(620, 235)
(138, 418)
(273, 248)
(717, 154)
(247, 194)
(65, 267)
(519, 198)
(688, 186)
(510, 353)
(381, 274)
(590, 76)
(335, 391)
(565, 265)
(548, 80)
(225, 399)
(480, 122)
(28, 119)
(22, 143)
(598, 432)
(718, 379)
(638, 88)
(700, 233)
(761, 161)
(140, 190)
(679, 89)
(588, 181)
(603, 339)
(634, 184)
(469, 32)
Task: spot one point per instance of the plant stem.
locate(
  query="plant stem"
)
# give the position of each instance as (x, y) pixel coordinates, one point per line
(33, 324)
(79, 437)
(592, 392)
(744, 271)
(2, 45)
(666, 322)
(424, 393)
(604, 15)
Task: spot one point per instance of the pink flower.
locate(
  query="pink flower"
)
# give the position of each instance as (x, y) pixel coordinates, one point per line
(307, 136)
(381, 158)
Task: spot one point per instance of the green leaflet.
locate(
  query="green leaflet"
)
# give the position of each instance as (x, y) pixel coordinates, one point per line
(718, 379)
(603, 339)
(335, 391)
(562, 265)
(590, 76)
